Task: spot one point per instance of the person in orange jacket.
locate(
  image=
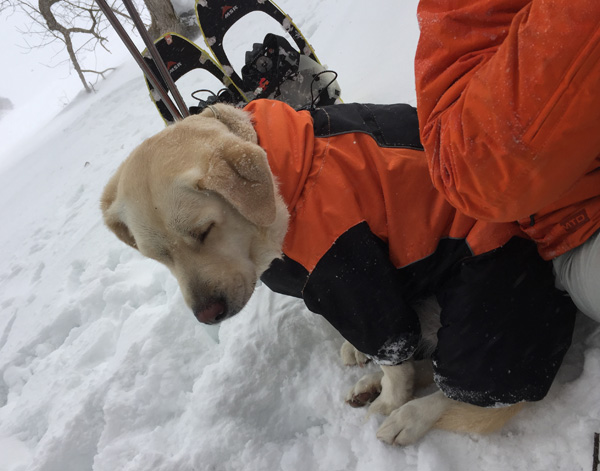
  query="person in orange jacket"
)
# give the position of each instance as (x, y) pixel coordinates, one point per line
(509, 110)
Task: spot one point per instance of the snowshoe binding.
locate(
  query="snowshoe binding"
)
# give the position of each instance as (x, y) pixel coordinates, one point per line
(274, 69)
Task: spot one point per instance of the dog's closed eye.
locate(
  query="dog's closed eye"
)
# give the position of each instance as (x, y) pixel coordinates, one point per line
(201, 234)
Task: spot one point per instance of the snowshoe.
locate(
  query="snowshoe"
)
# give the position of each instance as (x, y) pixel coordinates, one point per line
(274, 69)
(181, 56)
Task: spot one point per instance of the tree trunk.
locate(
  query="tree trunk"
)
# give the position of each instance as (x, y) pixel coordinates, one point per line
(163, 18)
(52, 23)
(75, 63)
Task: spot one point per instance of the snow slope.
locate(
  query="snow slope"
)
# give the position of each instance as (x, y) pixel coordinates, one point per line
(102, 366)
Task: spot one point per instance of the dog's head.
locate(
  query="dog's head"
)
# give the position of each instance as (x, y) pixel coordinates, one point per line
(200, 198)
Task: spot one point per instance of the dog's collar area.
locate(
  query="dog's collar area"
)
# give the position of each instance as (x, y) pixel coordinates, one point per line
(214, 110)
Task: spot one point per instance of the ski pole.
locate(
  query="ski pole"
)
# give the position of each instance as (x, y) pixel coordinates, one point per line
(162, 68)
(112, 18)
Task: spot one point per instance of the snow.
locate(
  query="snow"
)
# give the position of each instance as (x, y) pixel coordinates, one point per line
(103, 367)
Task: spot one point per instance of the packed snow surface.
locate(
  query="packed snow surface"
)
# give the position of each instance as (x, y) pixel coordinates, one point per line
(103, 367)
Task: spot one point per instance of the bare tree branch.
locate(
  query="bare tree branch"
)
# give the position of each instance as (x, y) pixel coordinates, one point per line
(80, 26)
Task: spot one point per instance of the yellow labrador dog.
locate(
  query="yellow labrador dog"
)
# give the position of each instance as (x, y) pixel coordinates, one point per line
(201, 198)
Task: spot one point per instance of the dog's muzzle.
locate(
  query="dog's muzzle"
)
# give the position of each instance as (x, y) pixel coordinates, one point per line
(212, 312)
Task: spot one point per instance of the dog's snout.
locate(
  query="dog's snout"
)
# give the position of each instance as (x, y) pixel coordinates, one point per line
(212, 312)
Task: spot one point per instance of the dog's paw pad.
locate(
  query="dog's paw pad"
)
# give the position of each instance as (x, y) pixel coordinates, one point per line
(365, 391)
(362, 399)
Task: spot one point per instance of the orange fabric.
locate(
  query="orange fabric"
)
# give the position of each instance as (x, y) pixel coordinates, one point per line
(509, 107)
(331, 184)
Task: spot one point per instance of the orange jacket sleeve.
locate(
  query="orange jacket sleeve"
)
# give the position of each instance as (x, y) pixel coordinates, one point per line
(508, 96)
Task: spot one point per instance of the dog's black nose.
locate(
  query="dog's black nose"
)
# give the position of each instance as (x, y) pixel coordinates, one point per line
(211, 312)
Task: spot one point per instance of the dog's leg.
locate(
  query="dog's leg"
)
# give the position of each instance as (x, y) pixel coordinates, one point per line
(397, 386)
(467, 418)
(387, 389)
(413, 420)
(366, 390)
(351, 356)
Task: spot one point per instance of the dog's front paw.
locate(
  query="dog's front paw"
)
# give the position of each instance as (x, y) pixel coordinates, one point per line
(382, 406)
(366, 390)
(351, 356)
(404, 426)
(413, 420)
(396, 388)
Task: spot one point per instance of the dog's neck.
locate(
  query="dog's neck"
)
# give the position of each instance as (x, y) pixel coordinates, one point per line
(214, 110)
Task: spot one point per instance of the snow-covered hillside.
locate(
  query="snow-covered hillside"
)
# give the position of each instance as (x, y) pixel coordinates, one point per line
(103, 367)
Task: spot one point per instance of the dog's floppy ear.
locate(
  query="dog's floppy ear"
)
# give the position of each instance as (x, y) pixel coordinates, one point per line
(238, 121)
(240, 173)
(110, 213)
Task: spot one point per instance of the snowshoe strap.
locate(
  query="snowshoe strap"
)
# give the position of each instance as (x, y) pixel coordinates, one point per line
(268, 65)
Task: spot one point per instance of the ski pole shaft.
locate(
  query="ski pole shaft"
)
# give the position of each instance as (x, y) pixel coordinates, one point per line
(162, 68)
(112, 18)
